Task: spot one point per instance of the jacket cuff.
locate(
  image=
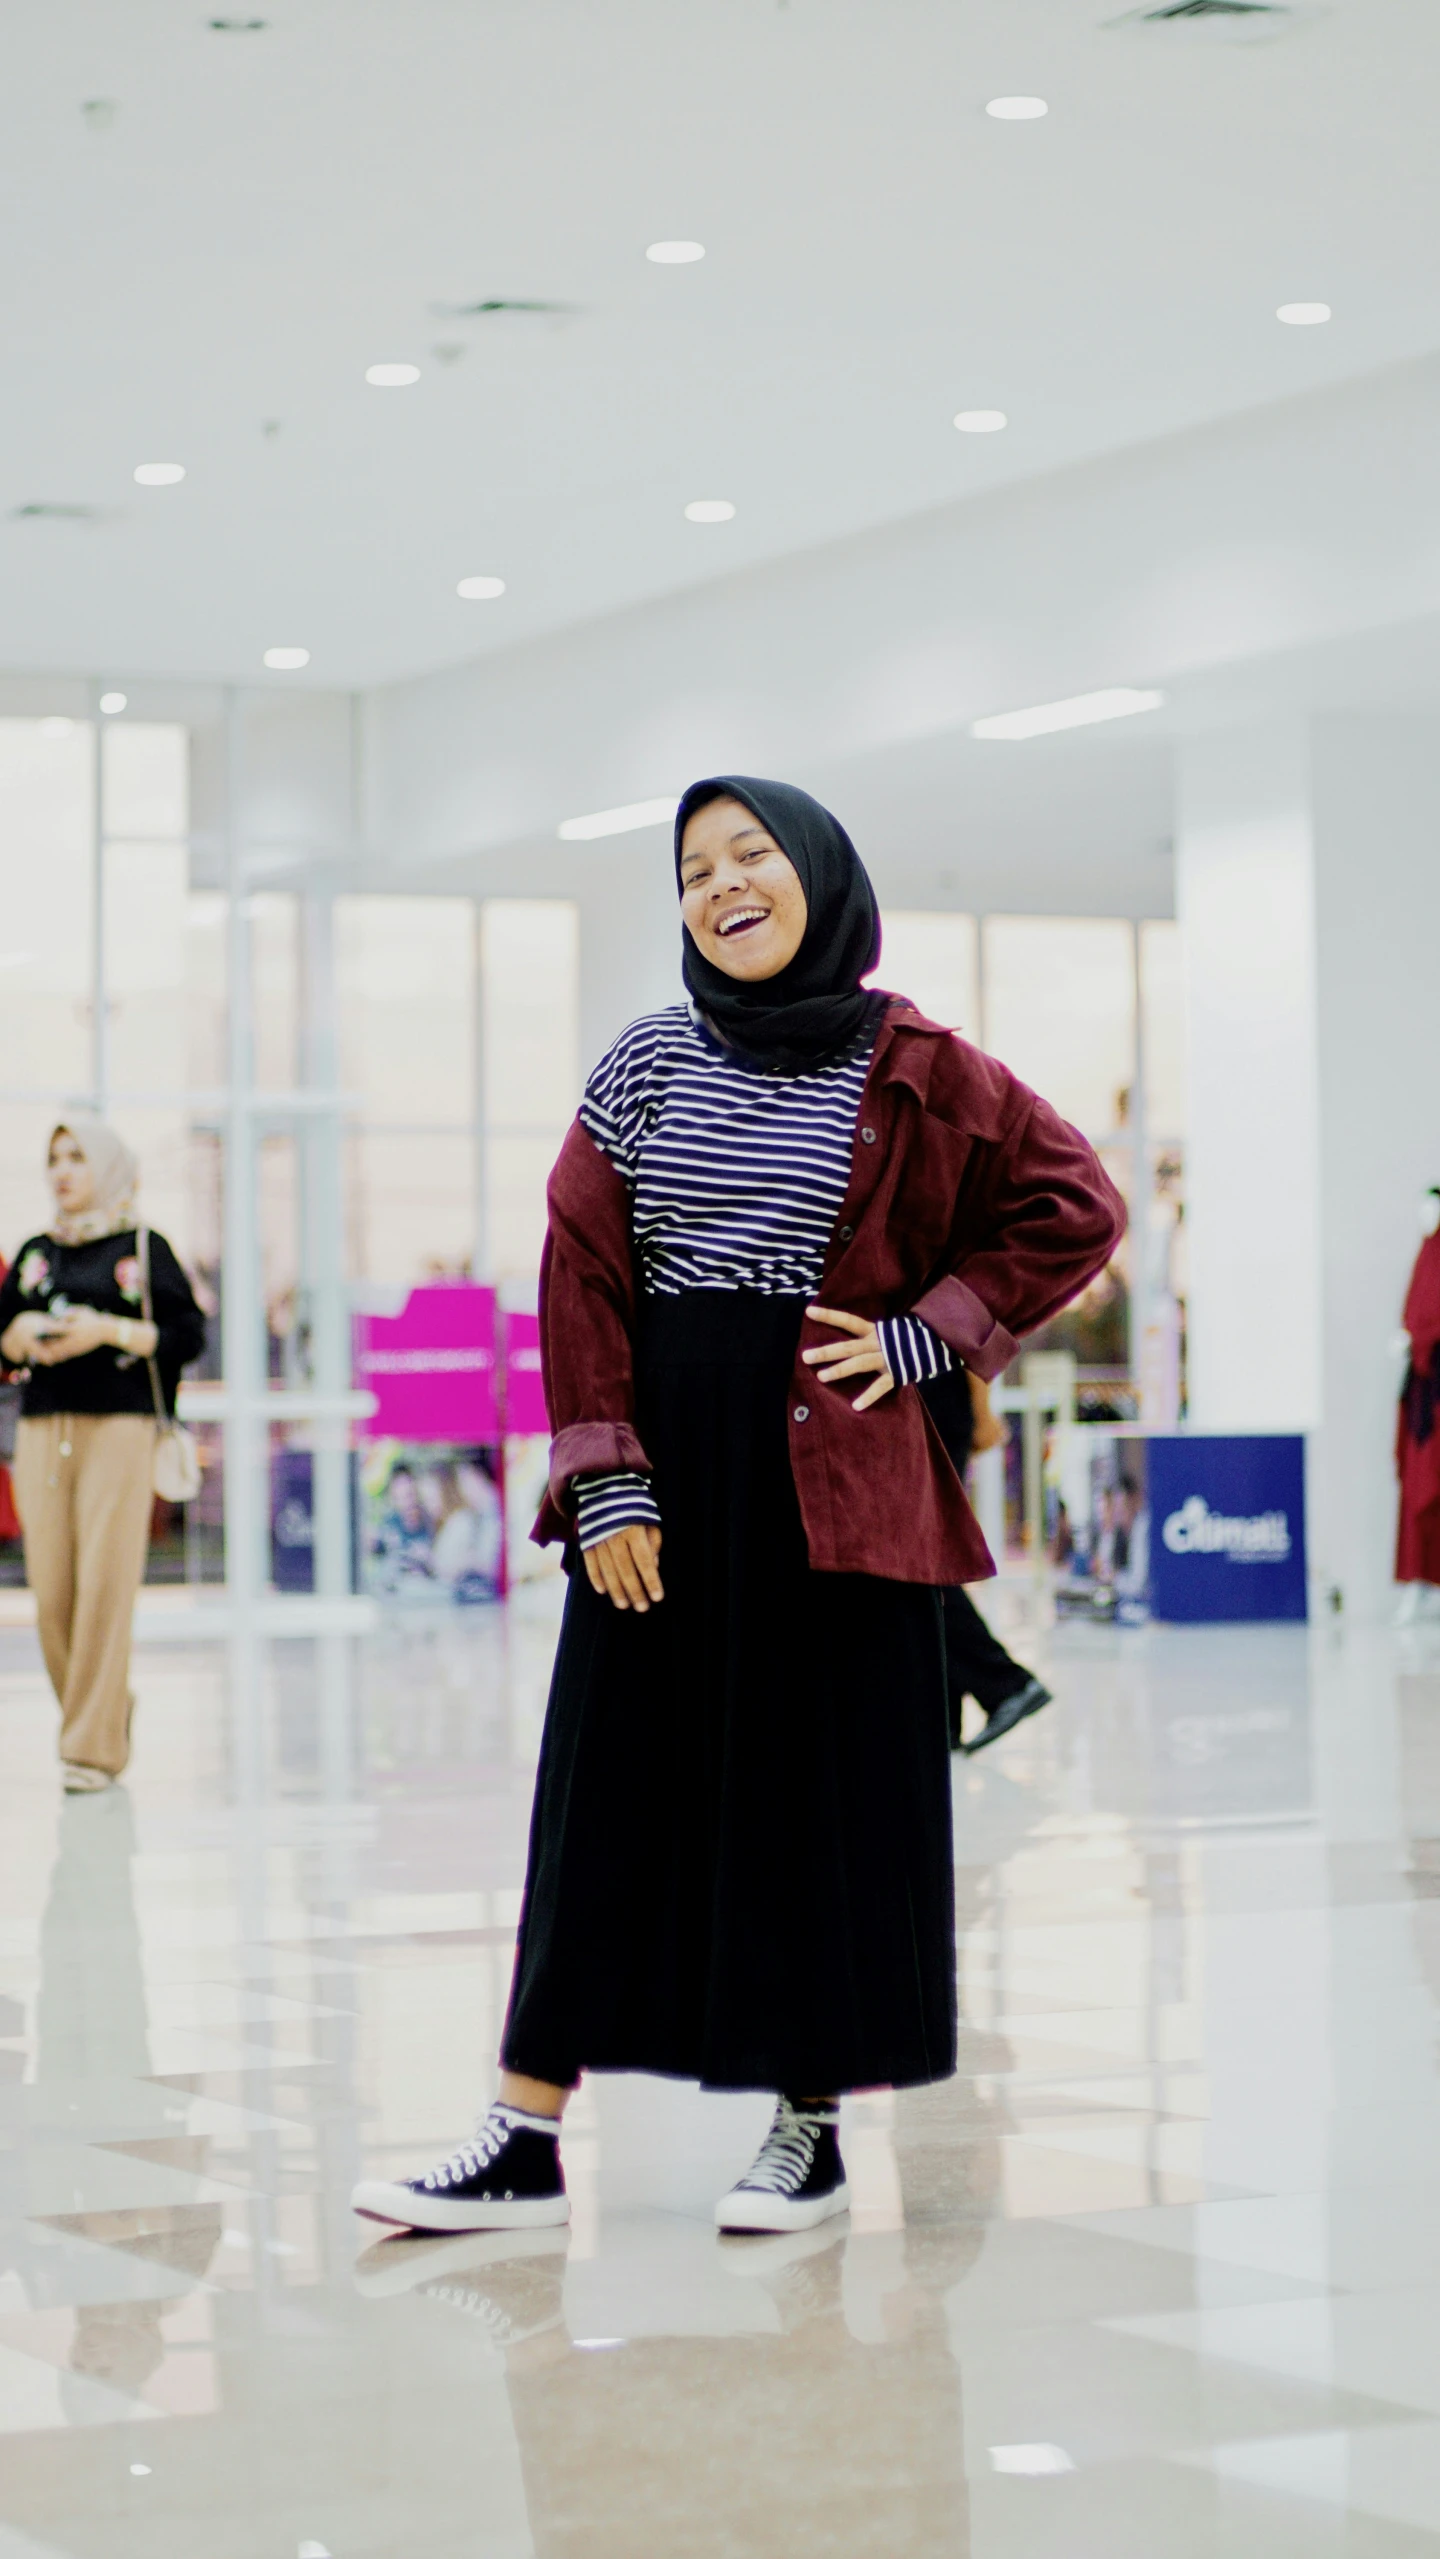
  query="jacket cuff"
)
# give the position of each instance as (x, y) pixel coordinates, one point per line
(964, 1321)
(592, 1448)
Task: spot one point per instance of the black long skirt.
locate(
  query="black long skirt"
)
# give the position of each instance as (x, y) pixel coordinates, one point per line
(740, 1855)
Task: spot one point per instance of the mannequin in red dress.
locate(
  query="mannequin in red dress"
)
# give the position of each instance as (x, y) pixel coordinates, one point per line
(1417, 1443)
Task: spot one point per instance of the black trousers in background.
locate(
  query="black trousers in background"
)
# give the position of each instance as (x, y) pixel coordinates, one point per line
(976, 1662)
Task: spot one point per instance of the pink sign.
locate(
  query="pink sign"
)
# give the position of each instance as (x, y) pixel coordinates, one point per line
(524, 1394)
(432, 1367)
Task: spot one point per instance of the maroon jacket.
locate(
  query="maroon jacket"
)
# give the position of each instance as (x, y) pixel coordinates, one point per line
(970, 1203)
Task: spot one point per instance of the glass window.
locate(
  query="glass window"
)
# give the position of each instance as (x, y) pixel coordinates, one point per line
(405, 999)
(46, 941)
(933, 958)
(411, 1205)
(1162, 996)
(146, 779)
(405, 992)
(1060, 1011)
(274, 920)
(530, 982)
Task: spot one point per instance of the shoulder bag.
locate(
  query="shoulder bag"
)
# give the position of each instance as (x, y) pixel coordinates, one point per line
(177, 1459)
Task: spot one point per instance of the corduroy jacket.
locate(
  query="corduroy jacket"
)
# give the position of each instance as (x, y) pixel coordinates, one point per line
(970, 1202)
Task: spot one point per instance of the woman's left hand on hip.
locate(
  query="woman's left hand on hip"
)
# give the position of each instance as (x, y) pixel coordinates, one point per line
(857, 1355)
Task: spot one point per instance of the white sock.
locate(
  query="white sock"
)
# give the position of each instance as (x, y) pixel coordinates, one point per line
(516, 2117)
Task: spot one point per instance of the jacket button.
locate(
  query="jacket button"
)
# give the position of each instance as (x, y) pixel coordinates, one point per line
(802, 1412)
(846, 1232)
(867, 1136)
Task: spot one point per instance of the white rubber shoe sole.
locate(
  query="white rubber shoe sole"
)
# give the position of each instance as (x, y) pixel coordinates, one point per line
(378, 2200)
(746, 2209)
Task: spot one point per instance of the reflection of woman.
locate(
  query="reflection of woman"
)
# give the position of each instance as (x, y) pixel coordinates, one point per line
(402, 1540)
(85, 1446)
(466, 1554)
(740, 1862)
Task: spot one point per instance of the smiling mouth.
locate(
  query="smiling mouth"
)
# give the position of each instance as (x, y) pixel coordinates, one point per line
(744, 920)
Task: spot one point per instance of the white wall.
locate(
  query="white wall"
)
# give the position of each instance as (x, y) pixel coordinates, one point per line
(1376, 802)
(1244, 896)
(1308, 878)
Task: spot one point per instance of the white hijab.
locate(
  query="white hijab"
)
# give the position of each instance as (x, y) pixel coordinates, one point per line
(114, 1173)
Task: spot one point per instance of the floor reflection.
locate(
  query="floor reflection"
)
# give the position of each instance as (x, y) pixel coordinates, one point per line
(1153, 2272)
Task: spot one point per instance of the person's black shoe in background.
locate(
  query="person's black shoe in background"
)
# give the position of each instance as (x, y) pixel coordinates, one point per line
(1010, 1712)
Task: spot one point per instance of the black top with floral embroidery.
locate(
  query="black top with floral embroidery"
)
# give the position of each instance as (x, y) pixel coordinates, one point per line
(46, 1278)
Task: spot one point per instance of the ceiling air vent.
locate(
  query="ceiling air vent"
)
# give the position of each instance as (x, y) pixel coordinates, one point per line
(57, 511)
(501, 306)
(1221, 21)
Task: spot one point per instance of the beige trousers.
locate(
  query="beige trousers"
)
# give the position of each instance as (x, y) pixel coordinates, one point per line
(83, 1489)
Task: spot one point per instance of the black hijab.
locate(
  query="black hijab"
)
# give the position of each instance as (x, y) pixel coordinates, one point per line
(816, 1005)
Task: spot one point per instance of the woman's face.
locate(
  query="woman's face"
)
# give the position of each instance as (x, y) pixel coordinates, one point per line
(739, 894)
(71, 1179)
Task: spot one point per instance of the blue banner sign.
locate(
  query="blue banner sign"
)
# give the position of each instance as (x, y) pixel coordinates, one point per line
(1227, 1528)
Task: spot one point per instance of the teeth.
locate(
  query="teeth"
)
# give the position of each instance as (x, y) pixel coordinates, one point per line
(747, 915)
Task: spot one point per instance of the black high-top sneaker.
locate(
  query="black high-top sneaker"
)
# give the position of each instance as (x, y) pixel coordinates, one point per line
(508, 2178)
(798, 2177)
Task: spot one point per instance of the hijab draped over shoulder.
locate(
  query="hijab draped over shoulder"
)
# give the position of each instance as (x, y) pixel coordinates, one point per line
(815, 1007)
(114, 1173)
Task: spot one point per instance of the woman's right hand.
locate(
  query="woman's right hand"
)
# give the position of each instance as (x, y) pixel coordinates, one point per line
(623, 1568)
(25, 1340)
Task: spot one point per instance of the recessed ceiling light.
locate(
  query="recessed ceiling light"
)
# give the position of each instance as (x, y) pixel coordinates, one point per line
(391, 377)
(674, 253)
(140, 2470)
(709, 510)
(1030, 2460)
(626, 821)
(980, 421)
(1303, 315)
(159, 475)
(1081, 711)
(283, 660)
(480, 590)
(112, 702)
(56, 726)
(1017, 110)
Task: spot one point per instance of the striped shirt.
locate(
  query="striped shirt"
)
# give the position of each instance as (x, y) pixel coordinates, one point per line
(736, 1180)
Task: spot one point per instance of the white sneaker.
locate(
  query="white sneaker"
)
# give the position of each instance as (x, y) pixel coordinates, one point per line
(798, 2177)
(80, 1780)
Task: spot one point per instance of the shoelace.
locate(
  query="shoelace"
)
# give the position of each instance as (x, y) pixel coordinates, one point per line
(472, 2156)
(786, 2153)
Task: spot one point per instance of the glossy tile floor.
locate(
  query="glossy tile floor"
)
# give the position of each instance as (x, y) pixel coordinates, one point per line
(1157, 2275)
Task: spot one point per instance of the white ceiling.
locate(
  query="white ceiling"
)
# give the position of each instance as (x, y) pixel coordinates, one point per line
(265, 215)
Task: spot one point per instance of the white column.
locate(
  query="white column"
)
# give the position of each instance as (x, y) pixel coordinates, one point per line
(1308, 887)
(241, 1319)
(1377, 880)
(1244, 896)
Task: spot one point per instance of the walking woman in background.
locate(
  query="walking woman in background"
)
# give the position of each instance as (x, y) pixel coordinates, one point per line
(781, 1207)
(70, 1314)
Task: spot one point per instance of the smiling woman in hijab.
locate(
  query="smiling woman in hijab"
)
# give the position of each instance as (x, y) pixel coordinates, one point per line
(783, 1205)
(71, 1318)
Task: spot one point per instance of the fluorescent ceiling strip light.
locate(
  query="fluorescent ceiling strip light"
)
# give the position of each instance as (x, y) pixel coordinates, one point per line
(583, 830)
(1080, 712)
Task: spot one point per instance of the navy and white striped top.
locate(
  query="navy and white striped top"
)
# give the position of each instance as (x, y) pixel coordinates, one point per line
(736, 1179)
